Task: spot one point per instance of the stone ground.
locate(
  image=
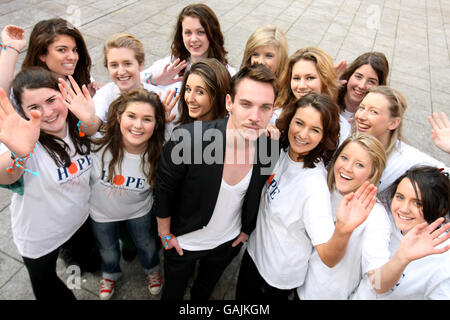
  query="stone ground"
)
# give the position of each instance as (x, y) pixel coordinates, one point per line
(413, 34)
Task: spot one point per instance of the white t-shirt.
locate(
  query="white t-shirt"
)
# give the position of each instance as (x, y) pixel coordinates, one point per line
(294, 216)
(225, 222)
(275, 116)
(424, 279)
(345, 129)
(127, 196)
(368, 249)
(347, 115)
(54, 204)
(402, 158)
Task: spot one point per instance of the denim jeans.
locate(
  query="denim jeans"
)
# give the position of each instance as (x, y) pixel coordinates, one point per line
(144, 238)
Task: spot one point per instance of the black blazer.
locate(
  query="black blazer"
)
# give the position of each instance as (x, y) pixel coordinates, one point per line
(187, 192)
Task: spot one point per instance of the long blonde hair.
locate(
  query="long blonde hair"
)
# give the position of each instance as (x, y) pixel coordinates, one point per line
(264, 36)
(374, 148)
(397, 108)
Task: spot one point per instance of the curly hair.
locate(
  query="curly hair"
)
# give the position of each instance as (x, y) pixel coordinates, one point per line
(112, 138)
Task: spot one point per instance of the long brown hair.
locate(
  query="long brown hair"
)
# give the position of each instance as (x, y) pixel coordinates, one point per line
(325, 69)
(329, 115)
(36, 78)
(210, 23)
(218, 84)
(44, 34)
(376, 60)
(112, 139)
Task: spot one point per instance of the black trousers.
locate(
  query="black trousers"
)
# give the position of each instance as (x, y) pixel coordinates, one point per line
(45, 282)
(252, 286)
(178, 270)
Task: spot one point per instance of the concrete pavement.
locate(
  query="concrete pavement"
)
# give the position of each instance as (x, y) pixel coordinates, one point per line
(413, 34)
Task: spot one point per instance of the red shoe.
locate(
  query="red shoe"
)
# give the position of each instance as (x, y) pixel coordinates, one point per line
(154, 281)
(106, 289)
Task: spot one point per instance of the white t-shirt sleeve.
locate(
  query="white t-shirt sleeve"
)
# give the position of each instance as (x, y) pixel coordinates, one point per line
(231, 70)
(439, 284)
(103, 98)
(376, 239)
(156, 68)
(318, 218)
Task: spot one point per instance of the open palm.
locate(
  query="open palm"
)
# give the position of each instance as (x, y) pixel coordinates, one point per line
(423, 239)
(14, 36)
(18, 134)
(354, 208)
(78, 101)
(441, 131)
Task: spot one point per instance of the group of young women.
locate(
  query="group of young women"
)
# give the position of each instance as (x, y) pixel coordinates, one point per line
(77, 154)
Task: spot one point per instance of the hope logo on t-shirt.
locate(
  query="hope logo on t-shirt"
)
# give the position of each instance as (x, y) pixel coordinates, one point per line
(119, 183)
(68, 175)
(272, 189)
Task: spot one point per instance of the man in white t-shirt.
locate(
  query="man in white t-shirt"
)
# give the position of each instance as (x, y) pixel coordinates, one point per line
(208, 185)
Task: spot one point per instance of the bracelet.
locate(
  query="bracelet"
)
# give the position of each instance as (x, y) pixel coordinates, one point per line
(19, 162)
(6, 46)
(148, 79)
(79, 124)
(165, 239)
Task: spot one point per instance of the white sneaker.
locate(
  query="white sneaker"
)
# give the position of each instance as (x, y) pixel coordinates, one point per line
(106, 289)
(154, 282)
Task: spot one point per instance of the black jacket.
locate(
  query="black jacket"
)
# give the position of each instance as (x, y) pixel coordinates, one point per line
(187, 192)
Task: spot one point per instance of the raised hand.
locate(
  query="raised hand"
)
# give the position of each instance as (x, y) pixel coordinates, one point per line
(78, 100)
(441, 131)
(354, 208)
(169, 74)
(169, 103)
(422, 240)
(18, 134)
(340, 69)
(14, 36)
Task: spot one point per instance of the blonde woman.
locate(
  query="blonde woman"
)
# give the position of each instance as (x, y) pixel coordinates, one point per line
(359, 159)
(380, 114)
(267, 45)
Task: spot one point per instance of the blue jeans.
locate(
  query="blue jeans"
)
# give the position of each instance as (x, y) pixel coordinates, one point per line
(144, 239)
